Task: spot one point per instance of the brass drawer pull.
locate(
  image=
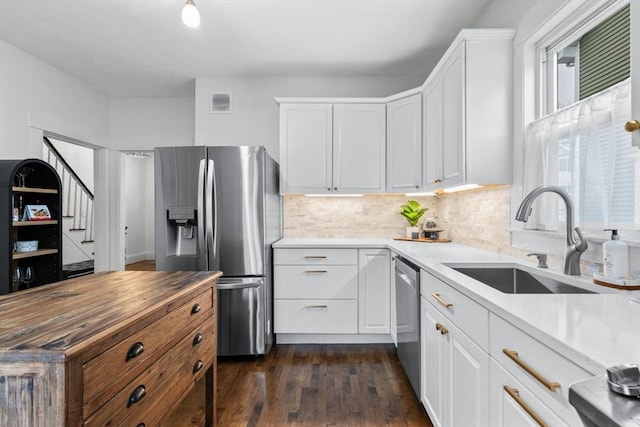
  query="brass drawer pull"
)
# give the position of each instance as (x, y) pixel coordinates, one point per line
(316, 307)
(195, 309)
(315, 257)
(134, 351)
(441, 301)
(137, 395)
(315, 271)
(440, 327)
(513, 355)
(197, 366)
(197, 339)
(515, 395)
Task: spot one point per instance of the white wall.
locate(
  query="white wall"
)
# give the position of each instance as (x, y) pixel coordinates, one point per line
(33, 94)
(139, 206)
(255, 116)
(145, 123)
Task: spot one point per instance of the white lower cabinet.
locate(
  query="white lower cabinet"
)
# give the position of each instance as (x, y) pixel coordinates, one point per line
(332, 291)
(374, 283)
(514, 405)
(544, 372)
(454, 373)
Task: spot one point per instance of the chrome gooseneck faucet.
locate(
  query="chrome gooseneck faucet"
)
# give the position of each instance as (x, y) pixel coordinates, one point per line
(574, 248)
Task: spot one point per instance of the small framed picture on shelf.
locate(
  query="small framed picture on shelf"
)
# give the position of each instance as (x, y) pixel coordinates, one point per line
(36, 213)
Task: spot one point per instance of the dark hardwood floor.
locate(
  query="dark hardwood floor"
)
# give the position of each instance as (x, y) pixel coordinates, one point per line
(308, 385)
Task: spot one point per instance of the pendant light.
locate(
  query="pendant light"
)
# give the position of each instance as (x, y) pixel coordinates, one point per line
(190, 15)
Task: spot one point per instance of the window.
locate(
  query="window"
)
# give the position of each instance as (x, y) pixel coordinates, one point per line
(579, 142)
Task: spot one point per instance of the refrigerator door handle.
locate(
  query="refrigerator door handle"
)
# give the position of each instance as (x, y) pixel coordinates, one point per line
(202, 246)
(212, 210)
(240, 285)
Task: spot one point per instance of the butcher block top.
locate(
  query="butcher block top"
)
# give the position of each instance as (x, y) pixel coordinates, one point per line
(61, 317)
(106, 349)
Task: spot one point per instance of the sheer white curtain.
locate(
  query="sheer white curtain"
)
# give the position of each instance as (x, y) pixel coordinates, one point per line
(584, 149)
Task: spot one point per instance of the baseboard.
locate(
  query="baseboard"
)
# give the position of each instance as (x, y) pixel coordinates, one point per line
(333, 338)
(131, 258)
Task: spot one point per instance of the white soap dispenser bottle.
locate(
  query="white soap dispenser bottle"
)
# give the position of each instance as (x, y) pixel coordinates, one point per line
(615, 255)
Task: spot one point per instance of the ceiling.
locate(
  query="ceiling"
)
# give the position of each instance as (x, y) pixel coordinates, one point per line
(141, 47)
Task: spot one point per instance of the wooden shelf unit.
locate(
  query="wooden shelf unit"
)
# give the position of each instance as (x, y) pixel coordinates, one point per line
(43, 187)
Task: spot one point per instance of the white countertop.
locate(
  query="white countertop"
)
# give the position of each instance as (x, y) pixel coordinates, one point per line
(593, 330)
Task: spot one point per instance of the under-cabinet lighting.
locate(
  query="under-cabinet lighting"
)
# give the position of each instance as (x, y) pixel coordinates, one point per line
(334, 195)
(461, 188)
(420, 194)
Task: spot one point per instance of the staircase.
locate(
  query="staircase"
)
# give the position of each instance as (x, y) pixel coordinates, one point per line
(77, 216)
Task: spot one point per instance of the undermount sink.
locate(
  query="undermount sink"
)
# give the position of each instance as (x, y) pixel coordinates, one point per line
(513, 280)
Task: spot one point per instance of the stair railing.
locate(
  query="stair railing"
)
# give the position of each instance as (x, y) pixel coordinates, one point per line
(77, 200)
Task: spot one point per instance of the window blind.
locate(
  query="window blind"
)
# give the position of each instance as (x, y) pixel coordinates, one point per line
(605, 54)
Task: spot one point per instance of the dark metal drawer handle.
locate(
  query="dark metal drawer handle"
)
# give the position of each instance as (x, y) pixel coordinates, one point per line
(197, 366)
(137, 395)
(135, 350)
(195, 309)
(197, 339)
(141, 425)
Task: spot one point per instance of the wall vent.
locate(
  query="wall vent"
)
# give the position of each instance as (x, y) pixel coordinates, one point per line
(220, 103)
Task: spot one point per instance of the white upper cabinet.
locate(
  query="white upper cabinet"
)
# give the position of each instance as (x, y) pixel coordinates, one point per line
(359, 148)
(306, 138)
(330, 148)
(467, 104)
(404, 144)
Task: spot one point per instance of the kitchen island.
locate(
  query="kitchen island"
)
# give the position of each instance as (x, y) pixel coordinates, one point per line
(110, 348)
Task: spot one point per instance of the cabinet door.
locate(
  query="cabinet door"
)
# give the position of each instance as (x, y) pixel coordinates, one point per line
(453, 118)
(468, 375)
(432, 134)
(305, 148)
(433, 353)
(374, 280)
(393, 318)
(404, 144)
(358, 148)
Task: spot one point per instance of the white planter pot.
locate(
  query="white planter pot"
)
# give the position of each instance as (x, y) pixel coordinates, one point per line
(411, 230)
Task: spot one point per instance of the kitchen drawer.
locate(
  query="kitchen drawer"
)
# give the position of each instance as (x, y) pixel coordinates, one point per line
(540, 360)
(316, 316)
(163, 383)
(320, 256)
(468, 315)
(111, 370)
(512, 404)
(312, 282)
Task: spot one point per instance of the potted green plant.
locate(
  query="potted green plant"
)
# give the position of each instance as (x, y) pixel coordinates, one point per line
(412, 211)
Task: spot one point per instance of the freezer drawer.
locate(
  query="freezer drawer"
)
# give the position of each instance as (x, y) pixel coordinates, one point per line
(242, 322)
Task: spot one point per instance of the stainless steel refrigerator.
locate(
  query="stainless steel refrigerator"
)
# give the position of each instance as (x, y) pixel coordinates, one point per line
(219, 208)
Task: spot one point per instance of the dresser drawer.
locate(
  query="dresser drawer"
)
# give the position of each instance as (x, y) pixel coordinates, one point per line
(316, 316)
(108, 372)
(468, 315)
(537, 366)
(163, 383)
(318, 256)
(313, 282)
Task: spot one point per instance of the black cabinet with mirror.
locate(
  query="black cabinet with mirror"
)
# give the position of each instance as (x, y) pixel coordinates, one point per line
(30, 213)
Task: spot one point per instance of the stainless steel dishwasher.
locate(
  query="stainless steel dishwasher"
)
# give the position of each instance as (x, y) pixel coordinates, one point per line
(407, 285)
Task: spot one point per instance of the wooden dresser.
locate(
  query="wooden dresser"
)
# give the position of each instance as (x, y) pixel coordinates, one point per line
(116, 348)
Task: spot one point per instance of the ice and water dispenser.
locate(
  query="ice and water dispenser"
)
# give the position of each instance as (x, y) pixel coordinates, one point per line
(182, 231)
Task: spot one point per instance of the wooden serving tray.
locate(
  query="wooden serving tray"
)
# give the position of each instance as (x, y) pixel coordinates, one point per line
(614, 286)
(422, 239)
